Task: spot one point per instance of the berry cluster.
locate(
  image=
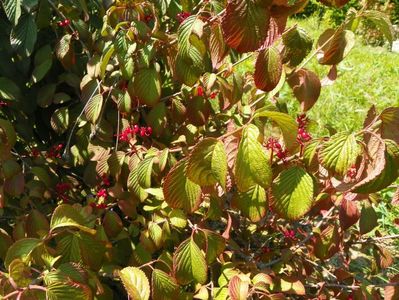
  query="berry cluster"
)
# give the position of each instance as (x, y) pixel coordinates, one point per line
(102, 193)
(126, 134)
(99, 206)
(62, 189)
(3, 104)
(55, 151)
(303, 136)
(34, 153)
(64, 23)
(289, 234)
(182, 16)
(201, 93)
(275, 146)
(105, 180)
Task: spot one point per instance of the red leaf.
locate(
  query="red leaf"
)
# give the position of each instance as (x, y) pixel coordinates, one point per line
(306, 86)
(390, 124)
(348, 213)
(392, 292)
(238, 288)
(331, 76)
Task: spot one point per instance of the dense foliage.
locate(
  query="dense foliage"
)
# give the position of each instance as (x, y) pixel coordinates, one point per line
(135, 161)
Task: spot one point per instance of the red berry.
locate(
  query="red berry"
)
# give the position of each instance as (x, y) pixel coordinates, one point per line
(102, 193)
(143, 131)
(148, 131)
(66, 22)
(213, 95)
(136, 129)
(3, 104)
(200, 91)
(182, 16)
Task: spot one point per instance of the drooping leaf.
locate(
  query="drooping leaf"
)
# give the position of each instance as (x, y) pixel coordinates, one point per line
(252, 203)
(217, 47)
(245, 24)
(179, 190)
(297, 45)
(189, 263)
(381, 21)
(339, 153)
(287, 125)
(23, 35)
(136, 283)
(66, 216)
(368, 218)
(293, 192)
(211, 243)
(20, 272)
(9, 90)
(60, 120)
(252, 165)
(164, 286)
(326, 242)
(268, 69)
(390, 122)
(306, 87)
(335, 45)
(207, 163)
(93, 108)
(12, 8)
(64, 51)
(21, 249)
(348, 213)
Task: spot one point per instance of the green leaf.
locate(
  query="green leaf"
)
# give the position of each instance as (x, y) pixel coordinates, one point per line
(252, 203)
(189, 263)
(23, 36)
(60, 120)
(245, 24)
(93, 108)
(368, 218)
(105, 60)
(287, 125)
(41, 70)
(144, 172)
(66, 216)
(211, 243)
(9, 90)
(252, 165)
(293, 192)
(189, 34)
(21, 249)
(179, 190)
(20, 272)
(268, 69)
(339, 153)
(207, 163)
(136, 283)
(12, 8)
(134, 186)
(147, 86)
(164, 286)
(381, 21)
(68, 281)
(297, 45)
(64, 52)
(10, 137)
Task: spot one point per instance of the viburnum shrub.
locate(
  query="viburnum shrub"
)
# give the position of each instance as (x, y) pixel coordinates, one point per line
(137, 162)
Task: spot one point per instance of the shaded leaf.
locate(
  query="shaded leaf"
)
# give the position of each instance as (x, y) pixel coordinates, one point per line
(93, 108)
(164, 286)
(252, 203)
(268, 69)
(179, 190)
(21, 249)
(334, 45)
(297, 45)
(23, 35)
(368, 218)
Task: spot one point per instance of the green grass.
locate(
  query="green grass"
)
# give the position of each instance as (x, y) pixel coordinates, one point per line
(367, 76)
